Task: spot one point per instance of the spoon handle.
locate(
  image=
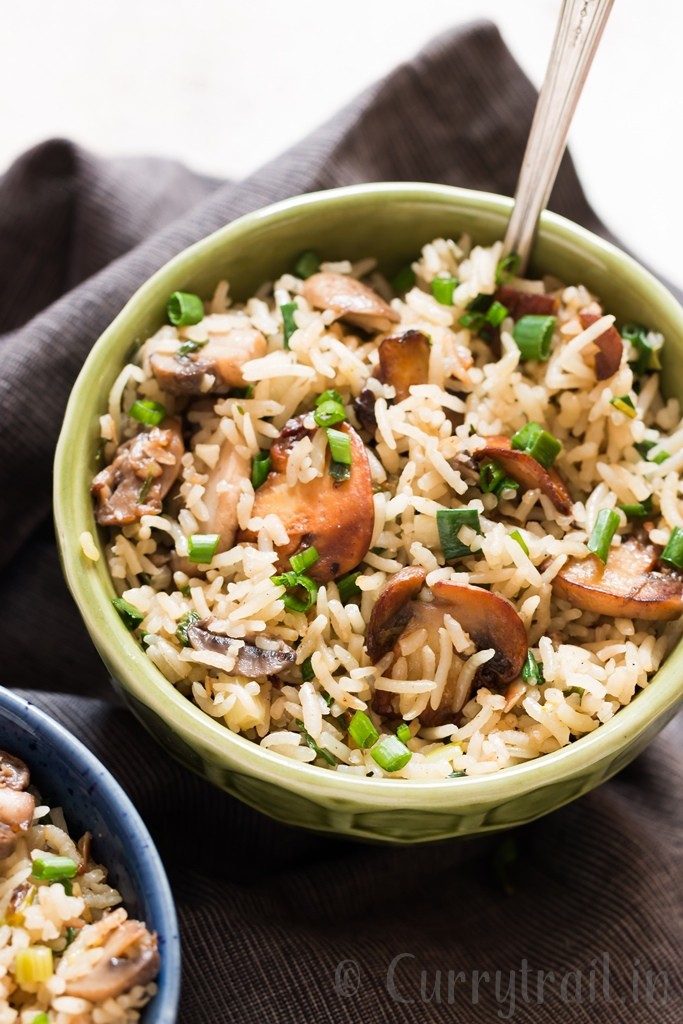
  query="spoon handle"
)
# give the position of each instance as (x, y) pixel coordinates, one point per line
(577, 36)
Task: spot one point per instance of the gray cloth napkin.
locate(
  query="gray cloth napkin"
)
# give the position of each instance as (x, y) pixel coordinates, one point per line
(577, 917)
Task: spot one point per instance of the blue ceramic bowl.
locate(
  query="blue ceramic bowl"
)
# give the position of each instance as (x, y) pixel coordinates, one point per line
(67, 775)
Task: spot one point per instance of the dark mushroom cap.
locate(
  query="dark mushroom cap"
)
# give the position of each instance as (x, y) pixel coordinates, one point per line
(524, 468)
(255, 662)
(116, 972)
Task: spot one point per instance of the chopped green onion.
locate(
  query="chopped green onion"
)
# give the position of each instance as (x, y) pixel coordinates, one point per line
(532, 671)
(260, 468)
(288, 322)
(202, 547)
(128, 612)
(329, 413)
(306, 667)
(43, 1018)
(624, 403)
(184, 309)
(473, 321)
(533, 335)
(147, 412)
(50, 867)
(188, 348)
(403, 732)
(71, 934)
(320, 751)
(492, 479)
(304, 560)
(673, 552)
(292, 581)
(538, 443)
(362, 731)
(443, 288)
(507, 268)
(390, 754)
(186, 591)
(33, 965)
(574, 689)
(480, 303)
(144, 490)
(647, 353)
(605, 527)
(645, 447)
(347, 586)
(186, 620)
(456, 775)
(449, 522)
(331, 395)
(404, 280)
(307, 264)
(496, 314)
(339, 472)
(639, 510)
(340, 446)
(247, 392)
(516, 535)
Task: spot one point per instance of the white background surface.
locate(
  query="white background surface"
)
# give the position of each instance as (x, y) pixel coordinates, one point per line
(227, 84)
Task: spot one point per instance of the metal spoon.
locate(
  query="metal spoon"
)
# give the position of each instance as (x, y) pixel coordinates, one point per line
(577, 36)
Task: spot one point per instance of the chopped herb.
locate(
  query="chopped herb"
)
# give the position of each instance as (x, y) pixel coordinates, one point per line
(605, 527)
(129, 613)
(390, 754)
(328, 413)
(33, 964)
(639, 510)
(472, 321)
(147, 412)
(646, 346)
(340, 445)
(144, 490)
(673, 552)
(331, 395)
(532, 671)
(339, 472)
(260, 468)
(288, 322)
(403, 732)
(71, 934)
(184, 309)
(188, 348)
(516, 536)
(43, 1018)
(320, 751)
(496, 314)
(480, 303)
(306, 667)
(304, 560)
(624, 403)
(645, 447)
(443, 288)
(293, 581)
(186, 591)
(50, 867)
(449, 522)
(307, 264)
(533, 335)
(574, 689)
(507, 268)
(538, 443)
(362, 731)
(404, 280)
(184, 622)
(456, 775)
(202, 547)
(492, 479)
(347, 586)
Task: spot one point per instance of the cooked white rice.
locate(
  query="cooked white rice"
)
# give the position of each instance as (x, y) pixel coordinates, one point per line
(592, 665)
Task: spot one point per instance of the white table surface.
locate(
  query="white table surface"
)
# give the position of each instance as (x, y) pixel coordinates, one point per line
(225, 85)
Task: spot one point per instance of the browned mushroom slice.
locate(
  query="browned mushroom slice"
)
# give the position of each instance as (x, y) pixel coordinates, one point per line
(610, 347)
(520, 303)
(140, 476)
(404, 360)
(250, 660)
(222, 358)
(334, 517)
(523, 468)
(628, 586)
(8, 841)
(350, 300)
(16, 808)
(490, 620)
(13, 772)
(129, 958)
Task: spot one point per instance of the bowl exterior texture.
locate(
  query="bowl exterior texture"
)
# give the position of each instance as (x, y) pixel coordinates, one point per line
(67, 775)
(390, 222)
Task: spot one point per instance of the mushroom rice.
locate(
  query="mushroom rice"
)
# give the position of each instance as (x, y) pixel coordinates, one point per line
(69, 954)
(413, 529)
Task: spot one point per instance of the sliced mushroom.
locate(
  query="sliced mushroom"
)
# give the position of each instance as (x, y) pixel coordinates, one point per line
(140, 476)
(222, 357)
(250, 660)
(628, 586)
(489, 619)
(130, 957)
(336, 518)
(404, 360)
(350, 300)
(610, 347)
(520, 303)
(13, 772)
(8, 841)
(16, 808)
(523, 468)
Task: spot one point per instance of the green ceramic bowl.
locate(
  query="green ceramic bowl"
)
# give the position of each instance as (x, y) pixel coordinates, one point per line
(391, 222)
